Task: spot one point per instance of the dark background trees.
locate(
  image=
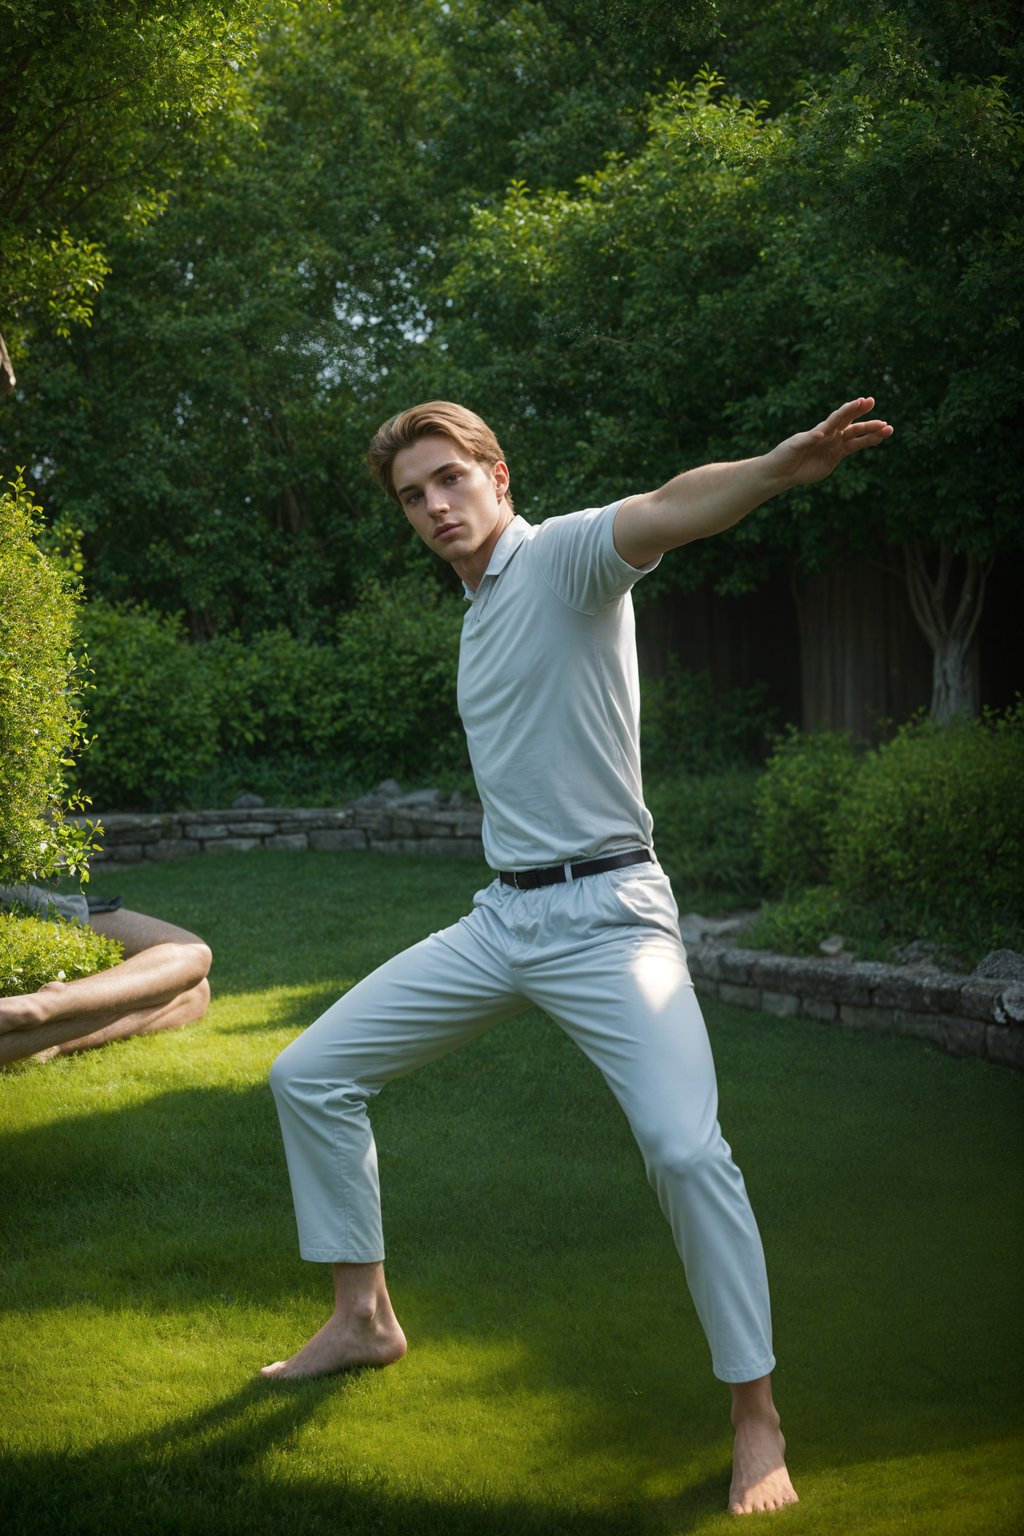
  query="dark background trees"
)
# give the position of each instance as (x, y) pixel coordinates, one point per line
(634, 235)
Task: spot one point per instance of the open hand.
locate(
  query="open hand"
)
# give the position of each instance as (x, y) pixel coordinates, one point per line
(809, 456)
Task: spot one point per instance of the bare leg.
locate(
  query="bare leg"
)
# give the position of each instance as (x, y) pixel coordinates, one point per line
(760, 1481)
(362, 1330)
(165, 969)
(186, 1008)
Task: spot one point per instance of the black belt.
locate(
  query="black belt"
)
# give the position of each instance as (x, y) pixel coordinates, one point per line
(530, 879)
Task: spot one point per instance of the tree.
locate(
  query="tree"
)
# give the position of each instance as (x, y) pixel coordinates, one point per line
(700, 297)
(260, 326)
(99, 100)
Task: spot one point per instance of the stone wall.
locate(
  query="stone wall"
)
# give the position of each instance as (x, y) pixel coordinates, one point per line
(416, 823)
(967, 1015)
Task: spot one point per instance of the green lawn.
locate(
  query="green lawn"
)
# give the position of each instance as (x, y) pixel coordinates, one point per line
(556, 1380)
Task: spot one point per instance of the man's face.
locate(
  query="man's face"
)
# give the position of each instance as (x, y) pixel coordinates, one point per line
(456, 504)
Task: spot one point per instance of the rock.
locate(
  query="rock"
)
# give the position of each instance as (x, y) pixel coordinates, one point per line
(390, 789)
(694, 927)
(922, 953)
(248, 803)
(1002, 965)
(833, 945)
(420, 797)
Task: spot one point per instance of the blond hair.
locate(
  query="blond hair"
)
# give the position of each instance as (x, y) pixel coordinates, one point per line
(437, 417)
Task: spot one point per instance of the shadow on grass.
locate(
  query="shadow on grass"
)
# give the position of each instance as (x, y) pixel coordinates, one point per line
(181, 1202)
(523, 1243)
(224, 1470)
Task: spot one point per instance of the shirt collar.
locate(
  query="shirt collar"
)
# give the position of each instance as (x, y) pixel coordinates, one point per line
(502, 553)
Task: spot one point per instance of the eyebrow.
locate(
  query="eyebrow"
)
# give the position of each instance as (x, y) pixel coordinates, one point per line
(452, 464)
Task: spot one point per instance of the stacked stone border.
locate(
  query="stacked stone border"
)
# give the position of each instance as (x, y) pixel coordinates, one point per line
(962, 1014)
(966, 1015)
(408, 824)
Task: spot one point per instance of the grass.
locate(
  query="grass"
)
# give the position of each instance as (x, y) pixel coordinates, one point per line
(557, 1380)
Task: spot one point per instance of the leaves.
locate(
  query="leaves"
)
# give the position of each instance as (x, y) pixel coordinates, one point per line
(41, 725)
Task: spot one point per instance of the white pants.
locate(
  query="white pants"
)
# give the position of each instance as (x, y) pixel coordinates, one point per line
(602, 956)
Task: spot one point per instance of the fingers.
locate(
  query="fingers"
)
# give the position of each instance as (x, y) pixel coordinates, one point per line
(846, 414)
(855, 434)
(865, 434)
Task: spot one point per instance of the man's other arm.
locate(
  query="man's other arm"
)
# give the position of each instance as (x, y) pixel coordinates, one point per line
(705, 501)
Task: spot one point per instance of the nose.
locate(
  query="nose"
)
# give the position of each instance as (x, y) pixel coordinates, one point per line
(437, 501)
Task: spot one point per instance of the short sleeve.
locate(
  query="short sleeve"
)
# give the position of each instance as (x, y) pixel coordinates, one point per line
(576, 556)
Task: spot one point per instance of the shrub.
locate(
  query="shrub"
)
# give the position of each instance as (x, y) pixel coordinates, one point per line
(34, 950)
(176, 721)
(689, 728)
(797, 924)
(275, 697)
(397, 654)
(806, 781)
(153, 710)
(41, 727)
(931, 835)
(704, 833)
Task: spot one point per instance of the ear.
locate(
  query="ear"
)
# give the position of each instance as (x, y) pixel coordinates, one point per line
(501, 479)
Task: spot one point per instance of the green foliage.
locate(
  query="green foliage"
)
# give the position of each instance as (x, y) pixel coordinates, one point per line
(798, 924)
(41, 727)
(931, 834)
(397, 655)
(704, 833)
(99, 102)
(152, 709)
(176, 721)
(629, 262)
(275, 696)
(34, 950)
(920, 838)
(805, 782)
(688, 727)
(697, 298)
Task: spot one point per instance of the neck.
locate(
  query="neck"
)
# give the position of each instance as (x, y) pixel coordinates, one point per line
(472, 569)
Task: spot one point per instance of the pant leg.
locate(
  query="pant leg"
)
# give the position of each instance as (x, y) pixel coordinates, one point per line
(414, 1009)
(622, 991)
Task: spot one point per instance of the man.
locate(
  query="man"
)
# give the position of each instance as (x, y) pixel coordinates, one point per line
(580, 921)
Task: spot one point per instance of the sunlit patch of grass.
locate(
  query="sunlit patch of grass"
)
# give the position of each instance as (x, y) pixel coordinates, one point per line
(557, 1380)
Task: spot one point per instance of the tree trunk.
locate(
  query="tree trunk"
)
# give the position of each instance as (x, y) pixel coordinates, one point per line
(949, 622)
(7, 379)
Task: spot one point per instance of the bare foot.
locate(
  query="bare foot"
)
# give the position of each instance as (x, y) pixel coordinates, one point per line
(760, 1481)
(344, 1344)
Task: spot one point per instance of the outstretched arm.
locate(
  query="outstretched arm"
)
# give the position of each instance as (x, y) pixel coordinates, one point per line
(705, 501)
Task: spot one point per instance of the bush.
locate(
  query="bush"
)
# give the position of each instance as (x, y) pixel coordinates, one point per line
(177, 722)
(806, 782)
(931, 834)
(153, 710)
(689, 728)
(704, 833)
(797, 925)
(276, 697)
(397, 654)
(34, 950)
(41, 726)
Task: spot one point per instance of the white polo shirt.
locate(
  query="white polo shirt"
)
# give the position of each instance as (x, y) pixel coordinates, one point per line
(549, 694)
